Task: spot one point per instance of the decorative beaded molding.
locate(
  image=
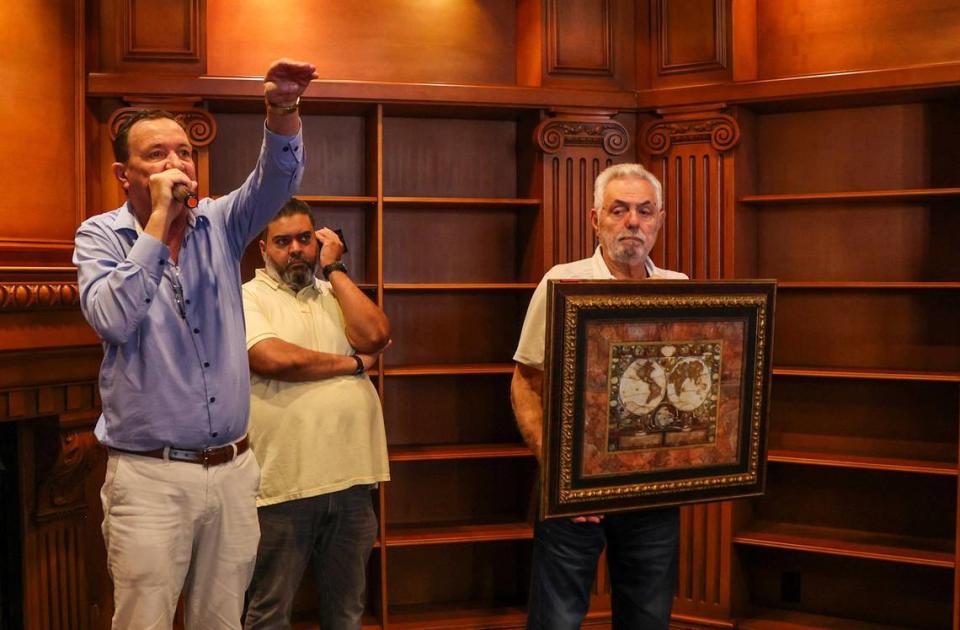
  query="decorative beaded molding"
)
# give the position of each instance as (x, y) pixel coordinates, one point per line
(39, 296)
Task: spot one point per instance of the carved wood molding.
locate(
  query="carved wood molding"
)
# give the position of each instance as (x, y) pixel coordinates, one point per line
(720, 130)
(554, 133)
(200, 124)
(44, 296)
(60, 488)
(554, 53)
(136, 18)
(718, 61)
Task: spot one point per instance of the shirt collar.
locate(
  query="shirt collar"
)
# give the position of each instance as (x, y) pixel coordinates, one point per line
(601, 271)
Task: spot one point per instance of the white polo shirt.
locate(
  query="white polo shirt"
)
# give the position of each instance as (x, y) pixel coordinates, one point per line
(533, 337)
(314, 437)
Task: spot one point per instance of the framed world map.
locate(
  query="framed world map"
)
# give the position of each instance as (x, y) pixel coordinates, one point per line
(655, 393)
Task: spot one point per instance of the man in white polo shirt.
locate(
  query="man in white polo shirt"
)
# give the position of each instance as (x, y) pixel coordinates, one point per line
(316, 425)
(641, 545)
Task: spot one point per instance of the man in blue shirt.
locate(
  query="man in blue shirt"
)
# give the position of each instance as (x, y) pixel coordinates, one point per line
(160, 284)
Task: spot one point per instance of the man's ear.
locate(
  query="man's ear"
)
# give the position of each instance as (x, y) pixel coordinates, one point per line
(595, 219)
(120, 172)
(263, 247)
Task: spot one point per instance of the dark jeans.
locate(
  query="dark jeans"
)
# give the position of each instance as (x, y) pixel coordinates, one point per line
(641, 554)
(335, 532)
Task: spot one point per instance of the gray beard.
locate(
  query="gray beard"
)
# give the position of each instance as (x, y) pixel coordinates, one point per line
(296, 279)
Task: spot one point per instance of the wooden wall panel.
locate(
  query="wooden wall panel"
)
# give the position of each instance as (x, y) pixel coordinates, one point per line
(398, 40)
(690, 42)
(42, 72)
(800, 37)
(570, 43)
(162, 36)
(579, 37)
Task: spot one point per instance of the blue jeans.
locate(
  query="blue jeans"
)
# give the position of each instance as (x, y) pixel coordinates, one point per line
(335, 532)
(642, 557)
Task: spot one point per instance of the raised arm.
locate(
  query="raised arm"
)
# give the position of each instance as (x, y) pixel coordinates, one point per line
(367, 327)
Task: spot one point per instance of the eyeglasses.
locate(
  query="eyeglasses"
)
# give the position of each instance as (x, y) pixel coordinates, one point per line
(178, 294)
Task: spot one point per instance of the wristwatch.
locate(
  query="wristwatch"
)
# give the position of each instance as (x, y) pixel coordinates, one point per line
(284, 109)
(334, 266)
(360, 370)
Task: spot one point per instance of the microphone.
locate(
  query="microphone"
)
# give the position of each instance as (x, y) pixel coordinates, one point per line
(182, 194)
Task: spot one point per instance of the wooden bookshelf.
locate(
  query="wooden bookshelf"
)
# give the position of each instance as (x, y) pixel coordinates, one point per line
(866, 196)
(857, 544)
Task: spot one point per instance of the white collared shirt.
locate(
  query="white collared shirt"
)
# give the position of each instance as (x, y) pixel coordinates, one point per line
(530, 349)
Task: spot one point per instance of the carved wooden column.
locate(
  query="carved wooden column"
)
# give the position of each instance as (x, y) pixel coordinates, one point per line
(56, 457)
(576, 146)
(690, 151)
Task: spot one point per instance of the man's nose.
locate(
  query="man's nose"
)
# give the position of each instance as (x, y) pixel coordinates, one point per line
(174, 161)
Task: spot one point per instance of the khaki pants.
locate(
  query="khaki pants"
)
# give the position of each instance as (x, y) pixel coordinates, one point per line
(170, 526)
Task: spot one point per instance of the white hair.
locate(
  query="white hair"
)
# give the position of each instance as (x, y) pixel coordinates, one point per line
(619, 171)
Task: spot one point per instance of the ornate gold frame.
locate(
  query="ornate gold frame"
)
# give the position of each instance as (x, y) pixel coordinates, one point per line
(570, 305)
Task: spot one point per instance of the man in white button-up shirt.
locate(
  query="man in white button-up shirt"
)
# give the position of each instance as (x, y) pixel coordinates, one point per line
(642, 545)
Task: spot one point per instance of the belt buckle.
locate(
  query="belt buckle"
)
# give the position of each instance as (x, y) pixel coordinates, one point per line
(205, 455)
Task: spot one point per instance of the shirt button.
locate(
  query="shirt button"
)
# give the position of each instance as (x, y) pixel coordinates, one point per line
(206, 364)
(147, 300)
(196, 331)
(285, 149)
(214, 434)
(213, 399)
(187, 301)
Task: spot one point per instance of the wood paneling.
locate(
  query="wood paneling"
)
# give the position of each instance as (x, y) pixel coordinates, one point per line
(580, 37)
(42, 140)
(800, 37)
(569, 43)
(393, 40)
(161, 30)
(690, 41)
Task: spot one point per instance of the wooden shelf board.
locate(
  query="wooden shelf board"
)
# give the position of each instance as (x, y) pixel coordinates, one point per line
(866, 195)
(333, 200)
(493, 203)
(407, 536)
(773, 619)
(850, 543)
(451, 369)
(871, 286)
(367, 623)
(435, 452)
(448, 616)
(101, 84)
(812, 458)
(458, 286)
(868, 374)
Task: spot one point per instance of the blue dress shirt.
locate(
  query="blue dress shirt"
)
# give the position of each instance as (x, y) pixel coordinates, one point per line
(175, 369)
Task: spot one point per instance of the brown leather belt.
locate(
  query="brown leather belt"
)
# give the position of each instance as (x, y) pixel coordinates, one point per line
(207, 457)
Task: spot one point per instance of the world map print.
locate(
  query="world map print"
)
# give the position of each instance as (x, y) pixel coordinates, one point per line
(663, 394)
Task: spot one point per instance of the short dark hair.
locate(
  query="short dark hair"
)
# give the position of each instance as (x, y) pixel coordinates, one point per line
(293, 207)
(121, 143)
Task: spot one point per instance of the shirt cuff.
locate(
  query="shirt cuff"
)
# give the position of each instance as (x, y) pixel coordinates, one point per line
(150, 254)
(287, 149)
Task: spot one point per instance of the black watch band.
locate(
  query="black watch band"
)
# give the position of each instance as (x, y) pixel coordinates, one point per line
(360, 369)
(334, 266)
